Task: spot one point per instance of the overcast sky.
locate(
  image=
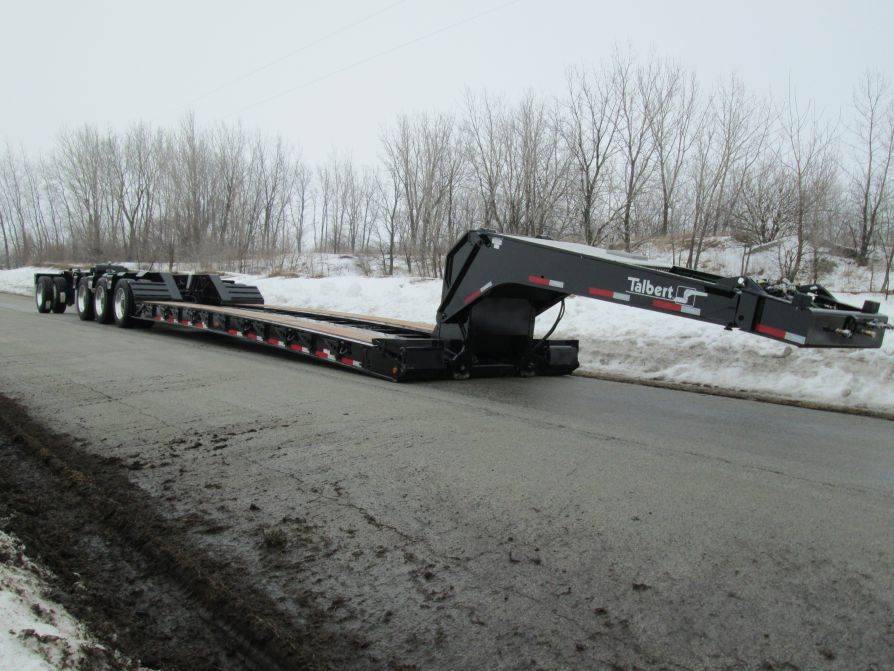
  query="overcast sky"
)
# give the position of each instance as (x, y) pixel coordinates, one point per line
(328, 75)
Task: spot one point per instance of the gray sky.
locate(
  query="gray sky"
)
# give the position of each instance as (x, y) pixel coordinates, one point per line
(329, 75)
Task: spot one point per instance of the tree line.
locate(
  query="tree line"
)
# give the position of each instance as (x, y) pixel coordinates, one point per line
(630, 152)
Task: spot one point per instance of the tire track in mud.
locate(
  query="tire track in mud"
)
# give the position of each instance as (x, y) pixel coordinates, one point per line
(136, 578)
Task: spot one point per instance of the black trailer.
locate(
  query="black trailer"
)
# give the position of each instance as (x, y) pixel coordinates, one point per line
(495, 285)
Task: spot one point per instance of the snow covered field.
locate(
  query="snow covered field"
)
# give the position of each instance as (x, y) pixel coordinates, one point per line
(624, 342)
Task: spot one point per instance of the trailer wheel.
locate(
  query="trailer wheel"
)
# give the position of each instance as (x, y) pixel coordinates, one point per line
(123, 305)
(102, 301)
(43, 294)
(84, 300)
(60, 295)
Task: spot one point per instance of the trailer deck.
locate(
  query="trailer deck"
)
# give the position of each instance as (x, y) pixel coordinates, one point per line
(322, 324)
(345, 339)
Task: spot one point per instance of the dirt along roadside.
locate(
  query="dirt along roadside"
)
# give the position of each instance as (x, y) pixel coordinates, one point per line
(134, 578)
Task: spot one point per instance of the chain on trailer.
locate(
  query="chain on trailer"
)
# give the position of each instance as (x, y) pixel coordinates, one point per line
(495, 285)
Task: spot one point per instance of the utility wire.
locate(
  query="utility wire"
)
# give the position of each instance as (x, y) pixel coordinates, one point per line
(380, 54)
(305, 47)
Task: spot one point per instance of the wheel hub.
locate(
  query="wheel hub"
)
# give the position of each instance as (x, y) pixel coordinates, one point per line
(120, 304)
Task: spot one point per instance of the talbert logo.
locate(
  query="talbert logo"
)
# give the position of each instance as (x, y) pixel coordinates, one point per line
(646, 288)
(677, 294)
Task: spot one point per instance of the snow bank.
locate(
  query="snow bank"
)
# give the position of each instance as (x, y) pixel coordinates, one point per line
(36, 634)
(653, 346)
(21, 280)
(622, 341)
(406, 298)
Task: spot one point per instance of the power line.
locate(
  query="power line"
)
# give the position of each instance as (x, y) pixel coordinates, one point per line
(305, 47)
(380, 54)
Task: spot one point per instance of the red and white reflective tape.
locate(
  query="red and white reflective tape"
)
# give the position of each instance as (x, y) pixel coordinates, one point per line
(234, 332)
(608, 293)
(351, 362)
(774, 332)
(275, 342)
(676, 307)
(475, 294)
(255, 337)
(181, 322)
(299, 348)
(546, 282)
(325, 354)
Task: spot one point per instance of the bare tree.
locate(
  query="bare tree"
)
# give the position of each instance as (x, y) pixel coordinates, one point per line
(810, 170)
(13, 195)
(276, 186)
(82, 163)
(540, 163)
(874, 144)
(189, 202)
(7, 260)
(589, 133)
(301, 195)
(519, 162)
(334, 182)
(633, 93)
(487, 154)
(886, 242)
(763, 211)
(672, 114)
(731, 141)
(419, 159)
(134, 169)
(389, 193)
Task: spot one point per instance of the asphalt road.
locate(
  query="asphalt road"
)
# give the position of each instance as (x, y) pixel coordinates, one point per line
(504, 524)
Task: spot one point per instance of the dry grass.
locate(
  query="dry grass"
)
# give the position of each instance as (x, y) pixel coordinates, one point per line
(282, 272)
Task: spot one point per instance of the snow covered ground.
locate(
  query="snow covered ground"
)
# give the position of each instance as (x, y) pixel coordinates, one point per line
(630, 343)
(36, 634)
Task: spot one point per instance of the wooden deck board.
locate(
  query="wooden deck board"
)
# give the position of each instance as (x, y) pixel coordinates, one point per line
(387, 321)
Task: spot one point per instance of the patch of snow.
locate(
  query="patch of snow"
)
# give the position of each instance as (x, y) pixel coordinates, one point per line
(395, 297)
(725, 256)
(647, 345)
(36, 634)
(21, 280)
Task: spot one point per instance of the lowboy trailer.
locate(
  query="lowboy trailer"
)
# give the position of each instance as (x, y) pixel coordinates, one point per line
(495, 285)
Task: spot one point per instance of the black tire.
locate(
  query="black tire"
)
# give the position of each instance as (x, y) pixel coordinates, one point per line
(84, 300)
(60, 295)
(44, 291)
(102, 301)
(122, 305)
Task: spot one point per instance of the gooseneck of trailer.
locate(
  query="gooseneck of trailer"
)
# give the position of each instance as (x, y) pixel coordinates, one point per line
(495, 286)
